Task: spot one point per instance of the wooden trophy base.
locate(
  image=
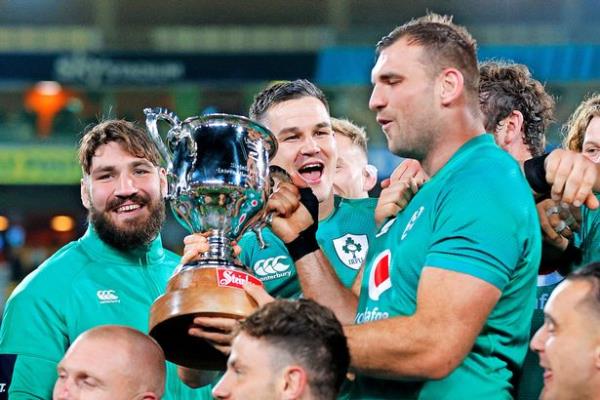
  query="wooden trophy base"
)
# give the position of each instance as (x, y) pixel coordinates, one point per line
(208, 291)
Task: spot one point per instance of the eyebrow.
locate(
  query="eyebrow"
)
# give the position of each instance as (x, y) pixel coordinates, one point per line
(592, 143)
(386, 76)
(110, 168)
(295, 129)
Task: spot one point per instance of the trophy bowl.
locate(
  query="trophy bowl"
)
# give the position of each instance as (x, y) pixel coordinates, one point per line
(218, 184)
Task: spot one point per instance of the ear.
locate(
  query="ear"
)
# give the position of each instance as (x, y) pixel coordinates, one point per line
(85, 192)
(514, 127)
(295, 382)
(162, 175)
(370, 175)
(597, 357)
(452, 85)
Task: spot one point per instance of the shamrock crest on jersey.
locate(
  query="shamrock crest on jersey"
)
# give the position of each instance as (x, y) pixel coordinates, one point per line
(351, 249)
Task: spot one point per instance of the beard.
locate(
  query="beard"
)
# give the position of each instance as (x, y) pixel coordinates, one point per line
(138, 232)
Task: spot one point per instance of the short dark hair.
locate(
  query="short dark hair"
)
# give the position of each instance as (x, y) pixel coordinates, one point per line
(446, 45)
(310, 335)
(283, 91)
(504, 87)
(133, 139)
(590, 273)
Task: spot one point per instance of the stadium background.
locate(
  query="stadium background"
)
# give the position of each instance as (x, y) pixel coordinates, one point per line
(65, 64)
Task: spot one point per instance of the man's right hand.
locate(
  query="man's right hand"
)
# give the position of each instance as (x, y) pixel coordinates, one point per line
(290, 216)
(572, 177)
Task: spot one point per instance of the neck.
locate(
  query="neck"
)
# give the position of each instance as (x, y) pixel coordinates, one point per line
(461, 128)
(326, 207)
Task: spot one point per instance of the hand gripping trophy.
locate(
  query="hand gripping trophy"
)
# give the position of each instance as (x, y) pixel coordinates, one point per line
(218, 177)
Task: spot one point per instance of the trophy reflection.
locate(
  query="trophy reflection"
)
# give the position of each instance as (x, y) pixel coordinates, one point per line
(218, 181)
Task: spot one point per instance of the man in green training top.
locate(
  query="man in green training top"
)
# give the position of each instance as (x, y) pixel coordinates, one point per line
(111, 275)
(449, 283)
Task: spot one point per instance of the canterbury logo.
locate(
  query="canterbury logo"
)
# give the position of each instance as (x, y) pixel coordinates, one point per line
(379, 277)
(270, 266)
(107, 296)
(412, 221)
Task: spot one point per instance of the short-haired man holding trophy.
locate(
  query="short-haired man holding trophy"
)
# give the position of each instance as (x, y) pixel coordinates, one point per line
(111, 275)
(297, 113)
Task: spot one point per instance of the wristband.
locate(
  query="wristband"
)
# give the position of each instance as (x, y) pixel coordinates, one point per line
(306, 242)
(535, 172)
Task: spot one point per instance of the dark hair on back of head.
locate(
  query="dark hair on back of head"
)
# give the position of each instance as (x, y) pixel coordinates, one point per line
(310, 335)
(283, 91)
(504, 87)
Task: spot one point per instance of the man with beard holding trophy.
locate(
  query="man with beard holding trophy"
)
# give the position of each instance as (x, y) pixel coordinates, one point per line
(111, 275)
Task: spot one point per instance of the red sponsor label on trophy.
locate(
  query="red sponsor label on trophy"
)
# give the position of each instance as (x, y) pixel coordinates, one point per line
(237, 279)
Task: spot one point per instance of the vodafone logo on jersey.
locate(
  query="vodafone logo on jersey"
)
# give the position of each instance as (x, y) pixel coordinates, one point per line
(233, 278)
(379, 277)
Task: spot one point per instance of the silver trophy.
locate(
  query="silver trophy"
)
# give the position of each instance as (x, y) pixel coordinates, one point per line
(218, 182)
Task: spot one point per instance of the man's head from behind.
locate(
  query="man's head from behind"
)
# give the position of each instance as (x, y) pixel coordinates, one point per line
(297, 113)
(354, 177)
(286, 350)
(516, 108)
(111, 362)
(426, 73)
(122, 186)
(568, 343)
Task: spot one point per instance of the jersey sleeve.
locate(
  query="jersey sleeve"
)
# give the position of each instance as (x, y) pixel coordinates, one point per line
(32, 378)
(477, 232)
(33, 332)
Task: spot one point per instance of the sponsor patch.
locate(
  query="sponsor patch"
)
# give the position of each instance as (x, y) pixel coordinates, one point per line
(232, 278)
(379, 277)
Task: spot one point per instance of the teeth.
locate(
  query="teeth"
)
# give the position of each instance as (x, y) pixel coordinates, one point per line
(315, 165)
(129, 207)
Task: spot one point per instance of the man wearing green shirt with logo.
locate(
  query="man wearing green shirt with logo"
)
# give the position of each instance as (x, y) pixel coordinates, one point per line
(111, 275)
(449, 283)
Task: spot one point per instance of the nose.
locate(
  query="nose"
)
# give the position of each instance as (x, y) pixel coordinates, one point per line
(125, 185)
(377, 100)
(310, 145)
(61, 390)
(222, 389)
(538, 341)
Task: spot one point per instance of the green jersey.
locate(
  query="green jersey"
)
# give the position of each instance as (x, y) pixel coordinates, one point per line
(589, 237)
(531, 380)
(85, 284)
(344, 237)
(475, 216)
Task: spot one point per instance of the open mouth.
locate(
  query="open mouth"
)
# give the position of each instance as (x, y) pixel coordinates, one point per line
(312, 172)
(127, 208)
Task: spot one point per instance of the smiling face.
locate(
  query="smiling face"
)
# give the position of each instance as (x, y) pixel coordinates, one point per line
(568, 343)
(306, 142)
(591, 140)
(124, 196)
(403, 98)
(250, 374)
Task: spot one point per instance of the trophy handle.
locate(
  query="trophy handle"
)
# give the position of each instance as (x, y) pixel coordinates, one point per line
(153, 115)
(275, 172)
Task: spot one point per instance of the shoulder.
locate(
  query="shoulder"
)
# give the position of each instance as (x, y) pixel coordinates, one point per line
(53, 279)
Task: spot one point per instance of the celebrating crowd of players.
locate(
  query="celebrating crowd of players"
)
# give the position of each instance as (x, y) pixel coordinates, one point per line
(428, 292)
